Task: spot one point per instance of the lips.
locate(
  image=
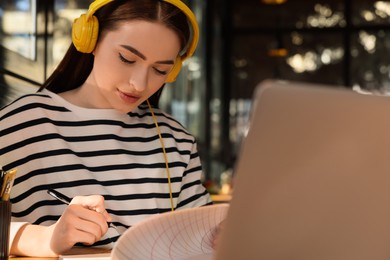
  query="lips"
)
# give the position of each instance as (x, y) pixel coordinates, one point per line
(128, 97)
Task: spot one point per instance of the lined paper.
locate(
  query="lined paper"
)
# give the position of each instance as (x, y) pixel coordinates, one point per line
(179, 235)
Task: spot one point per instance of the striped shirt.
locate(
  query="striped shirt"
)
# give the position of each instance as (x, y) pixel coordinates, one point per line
(80, 151)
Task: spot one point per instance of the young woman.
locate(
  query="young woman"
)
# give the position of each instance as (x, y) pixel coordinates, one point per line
(94, 133)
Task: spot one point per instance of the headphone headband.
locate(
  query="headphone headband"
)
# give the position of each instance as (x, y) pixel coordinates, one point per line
(85, 32)
(194, 25)
(95, 5)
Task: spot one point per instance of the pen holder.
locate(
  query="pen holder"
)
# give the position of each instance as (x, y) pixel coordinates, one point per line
(5, 223)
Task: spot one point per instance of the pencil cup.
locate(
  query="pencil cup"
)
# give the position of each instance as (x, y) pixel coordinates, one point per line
(5, 223)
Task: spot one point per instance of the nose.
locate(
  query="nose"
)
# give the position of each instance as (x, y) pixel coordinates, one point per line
(139, 79)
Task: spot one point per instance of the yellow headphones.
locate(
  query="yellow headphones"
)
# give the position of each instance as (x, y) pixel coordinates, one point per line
(85, 33)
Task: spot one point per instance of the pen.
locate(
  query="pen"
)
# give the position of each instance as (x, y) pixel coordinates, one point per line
(66, 200)
(59, 196)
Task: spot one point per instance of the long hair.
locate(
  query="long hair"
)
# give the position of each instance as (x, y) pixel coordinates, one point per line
(75, 67)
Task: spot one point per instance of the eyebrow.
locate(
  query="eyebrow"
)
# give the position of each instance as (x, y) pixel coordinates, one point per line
(139, 54)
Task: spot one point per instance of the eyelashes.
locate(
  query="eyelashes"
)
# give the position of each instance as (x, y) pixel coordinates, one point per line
(124, 60)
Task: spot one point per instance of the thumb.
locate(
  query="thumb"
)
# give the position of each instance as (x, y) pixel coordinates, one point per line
(93, 202)
(105, 213)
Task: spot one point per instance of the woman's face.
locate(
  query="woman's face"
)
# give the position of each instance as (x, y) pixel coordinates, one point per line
(131, 64)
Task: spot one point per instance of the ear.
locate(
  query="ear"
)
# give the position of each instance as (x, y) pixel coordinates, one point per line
(85, 33)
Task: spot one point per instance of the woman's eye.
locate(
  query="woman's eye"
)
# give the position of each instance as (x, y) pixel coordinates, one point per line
(123, 59)
(158, 71)
(161, 72)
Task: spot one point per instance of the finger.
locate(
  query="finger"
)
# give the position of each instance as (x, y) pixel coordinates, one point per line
(93, 202)
(88, 220)
(104, 213)
(84, 236)
(92, 231)
(78, 224)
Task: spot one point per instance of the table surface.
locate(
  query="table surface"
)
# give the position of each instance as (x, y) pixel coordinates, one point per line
(73, 251)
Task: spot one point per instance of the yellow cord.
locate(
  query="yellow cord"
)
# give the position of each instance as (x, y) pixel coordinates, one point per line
(165, 155)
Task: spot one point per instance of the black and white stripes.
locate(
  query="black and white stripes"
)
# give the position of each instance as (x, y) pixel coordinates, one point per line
(81, 151)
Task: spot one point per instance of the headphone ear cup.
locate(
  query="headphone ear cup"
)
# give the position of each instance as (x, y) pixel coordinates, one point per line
(85, 31)
(175, 70)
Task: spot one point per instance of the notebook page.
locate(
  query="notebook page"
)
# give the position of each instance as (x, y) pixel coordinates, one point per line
(182, 234)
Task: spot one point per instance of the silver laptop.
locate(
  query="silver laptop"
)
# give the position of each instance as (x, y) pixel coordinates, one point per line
(313, 177)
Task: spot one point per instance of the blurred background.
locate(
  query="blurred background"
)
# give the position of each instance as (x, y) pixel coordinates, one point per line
(341, 43)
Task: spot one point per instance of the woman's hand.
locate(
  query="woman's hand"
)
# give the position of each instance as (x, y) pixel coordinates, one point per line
(83, 221)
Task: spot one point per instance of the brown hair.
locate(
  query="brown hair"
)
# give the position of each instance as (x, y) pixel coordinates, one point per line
(75, 67)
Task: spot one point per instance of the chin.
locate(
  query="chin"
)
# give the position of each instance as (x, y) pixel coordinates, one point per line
(126, 109)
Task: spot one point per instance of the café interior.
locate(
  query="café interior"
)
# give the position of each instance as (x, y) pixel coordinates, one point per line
(340, 43)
